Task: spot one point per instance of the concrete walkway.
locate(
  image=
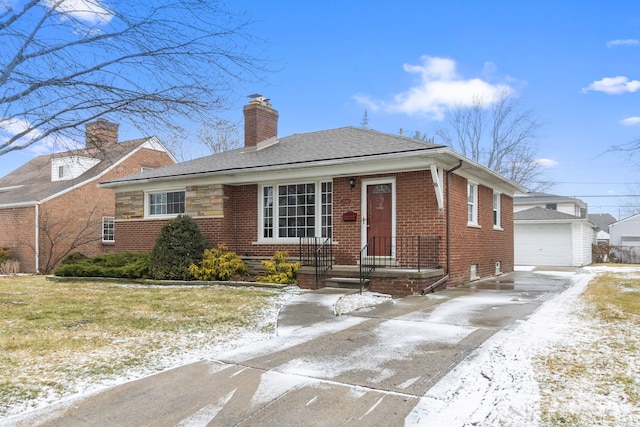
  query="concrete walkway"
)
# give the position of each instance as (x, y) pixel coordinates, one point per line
(368, 368)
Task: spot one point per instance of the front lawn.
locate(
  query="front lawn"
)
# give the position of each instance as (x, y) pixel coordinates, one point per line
(594, 377)
(57, 339)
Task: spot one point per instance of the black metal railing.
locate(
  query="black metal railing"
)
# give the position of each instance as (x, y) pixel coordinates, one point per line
(317, 252)
(400, 252)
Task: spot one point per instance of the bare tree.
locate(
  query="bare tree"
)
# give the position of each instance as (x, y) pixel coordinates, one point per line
(151, 64)
(219, 135)
(364, 123)
(500, 135)
(422, 136)
(61, 235)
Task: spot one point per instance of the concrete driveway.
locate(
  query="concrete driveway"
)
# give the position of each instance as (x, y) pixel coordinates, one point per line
(368, 368)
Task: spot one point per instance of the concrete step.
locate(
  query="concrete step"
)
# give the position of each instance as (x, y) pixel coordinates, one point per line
(345, 282)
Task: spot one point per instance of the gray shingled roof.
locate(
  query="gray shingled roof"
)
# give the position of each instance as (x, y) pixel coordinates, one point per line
(535, 197)
(603, 221)
(31, 182)
(541, 214)
(295, 151)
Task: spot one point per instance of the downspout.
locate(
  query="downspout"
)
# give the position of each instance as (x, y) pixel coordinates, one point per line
(444, 278)
(448, 233)
(37, 243)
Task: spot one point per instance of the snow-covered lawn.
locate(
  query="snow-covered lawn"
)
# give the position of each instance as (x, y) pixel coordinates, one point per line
(562, 366)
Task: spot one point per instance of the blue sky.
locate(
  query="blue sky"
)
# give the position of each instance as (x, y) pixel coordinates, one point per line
(575, 64)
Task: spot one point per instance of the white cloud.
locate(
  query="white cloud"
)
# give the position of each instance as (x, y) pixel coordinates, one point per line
(614, 85)
(90, 11)
(13, 126)
(630, 121)
(623, 42)
(440, 87)
(10, 127)
(547, 163)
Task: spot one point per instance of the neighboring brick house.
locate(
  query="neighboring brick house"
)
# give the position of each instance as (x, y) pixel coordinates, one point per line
(407, 213)
(52, 205)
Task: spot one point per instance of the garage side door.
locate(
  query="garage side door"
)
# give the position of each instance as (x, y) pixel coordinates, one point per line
(543, 244)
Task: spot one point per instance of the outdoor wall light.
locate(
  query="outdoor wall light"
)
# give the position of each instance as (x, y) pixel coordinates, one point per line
(352, 182)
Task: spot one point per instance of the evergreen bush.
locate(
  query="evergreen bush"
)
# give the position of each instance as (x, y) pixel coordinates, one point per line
(128, 265)
(279, 269)
(219, 264)
(179, 244)
(73, 258)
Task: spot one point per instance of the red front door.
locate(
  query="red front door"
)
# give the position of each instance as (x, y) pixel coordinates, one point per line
(379, 206)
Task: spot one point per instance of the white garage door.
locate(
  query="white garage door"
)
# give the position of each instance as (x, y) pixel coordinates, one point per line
(543, 244)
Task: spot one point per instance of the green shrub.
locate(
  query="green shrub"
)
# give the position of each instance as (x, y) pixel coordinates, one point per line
(5, 254)
(219, 264)
(279, 269)
(73, 258)
(179, 244)
(128, 265)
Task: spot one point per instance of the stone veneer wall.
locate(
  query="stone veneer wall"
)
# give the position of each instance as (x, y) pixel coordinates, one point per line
(204, 201)
(200, 201)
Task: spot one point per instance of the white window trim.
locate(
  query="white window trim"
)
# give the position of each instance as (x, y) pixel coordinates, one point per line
(147, 209)
(498, 209)
(474, 222)
(318, 210)
(113, 220)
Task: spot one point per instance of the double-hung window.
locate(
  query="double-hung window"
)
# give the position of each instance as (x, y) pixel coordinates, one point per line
(496, 210)
(472, 203)
(108, 229)
(166, 203)
(290, 211)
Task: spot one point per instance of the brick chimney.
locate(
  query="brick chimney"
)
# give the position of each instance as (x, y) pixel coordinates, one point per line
(101, 134)
(260, 121)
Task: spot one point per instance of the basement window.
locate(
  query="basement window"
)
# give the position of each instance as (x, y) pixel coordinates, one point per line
(474, 272)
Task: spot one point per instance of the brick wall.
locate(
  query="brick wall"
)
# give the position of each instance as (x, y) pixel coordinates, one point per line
(417, 214)
(483, 245)
(260, 123)
(18, 232)
(78, 213)
(72, 220)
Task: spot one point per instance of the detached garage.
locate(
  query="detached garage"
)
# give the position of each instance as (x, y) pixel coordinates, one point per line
(548, 237)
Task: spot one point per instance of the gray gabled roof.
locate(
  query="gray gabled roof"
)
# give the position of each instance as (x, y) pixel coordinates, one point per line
(542, 214)
(295, 151)
(537, 197)
(602, 220)
(31, 182)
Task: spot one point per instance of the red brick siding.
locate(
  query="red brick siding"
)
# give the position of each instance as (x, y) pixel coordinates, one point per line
(260, 124)
(63, 218)
(417, 214)
(18, 233)
(481, 245)
(346, 234)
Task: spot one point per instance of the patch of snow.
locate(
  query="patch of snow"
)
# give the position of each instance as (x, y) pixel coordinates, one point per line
(359, 302)
(497, 383)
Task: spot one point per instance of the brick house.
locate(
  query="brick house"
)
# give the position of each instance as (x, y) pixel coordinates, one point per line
(354, 204)
(52, 205)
